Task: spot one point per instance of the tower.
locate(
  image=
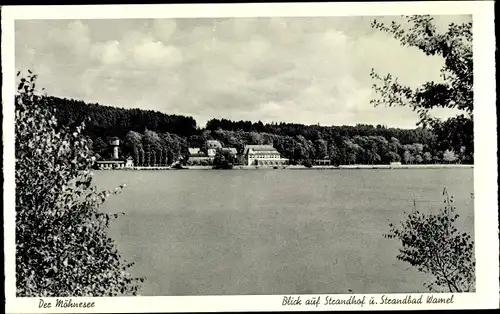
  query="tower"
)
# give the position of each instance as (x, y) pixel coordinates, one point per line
(115, 144)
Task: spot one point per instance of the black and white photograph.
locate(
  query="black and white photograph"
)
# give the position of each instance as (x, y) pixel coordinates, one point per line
(326, 161)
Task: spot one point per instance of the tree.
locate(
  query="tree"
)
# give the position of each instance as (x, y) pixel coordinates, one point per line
(223, 160)
(392, 157)
(433, 244)
(256, 138)
(62, 246)
(147, 156)
(449, 156)
(394, 145)
(456, 89)
(321, 148)
(307, 163)
(113, 121)
(152, 140)
(142, 159)
(451, 135)
(418, 148)
(299, 152)
(132, 143)
(407, 157)
(100, 147)
(427, 157)
(154, 161)
(334, 154)
(376, 158)
(135, 156)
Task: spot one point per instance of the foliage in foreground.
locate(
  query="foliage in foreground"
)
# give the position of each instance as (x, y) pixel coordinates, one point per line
(432, 244)
(456, 90)
(62, 247)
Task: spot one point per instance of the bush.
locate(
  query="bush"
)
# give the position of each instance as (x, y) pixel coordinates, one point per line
(223, 160)
(204, 163)
(62, 247)
(178, 166)
(307, 163)
(432, 244)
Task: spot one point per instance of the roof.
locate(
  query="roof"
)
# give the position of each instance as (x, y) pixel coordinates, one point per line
(232, 150)
(260, 148)
(193, 151)
(213, 144)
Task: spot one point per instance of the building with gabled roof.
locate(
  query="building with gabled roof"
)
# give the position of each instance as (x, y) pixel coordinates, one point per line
(208, 152)
(213, 144)
(129, 162)
(263, 155)
(193, 151)
(197, 155)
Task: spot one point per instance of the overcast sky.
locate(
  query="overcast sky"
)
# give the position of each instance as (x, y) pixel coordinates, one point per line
(304, 70)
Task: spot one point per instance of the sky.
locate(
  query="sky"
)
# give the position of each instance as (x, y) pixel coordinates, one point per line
(301, 70)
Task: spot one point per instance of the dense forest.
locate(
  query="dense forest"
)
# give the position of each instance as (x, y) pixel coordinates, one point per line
(106, 121)
(155, 138)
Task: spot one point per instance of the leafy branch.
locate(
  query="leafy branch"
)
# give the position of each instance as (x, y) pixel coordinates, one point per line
(62, 245)
(433, 244)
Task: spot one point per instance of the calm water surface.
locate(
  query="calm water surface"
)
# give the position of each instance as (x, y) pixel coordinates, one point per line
(274, 231)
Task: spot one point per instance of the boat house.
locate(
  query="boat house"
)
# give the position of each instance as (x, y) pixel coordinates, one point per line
(115, 162)
(110, 164)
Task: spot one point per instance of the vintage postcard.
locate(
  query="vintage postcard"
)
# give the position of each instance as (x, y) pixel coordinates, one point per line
(250, 157)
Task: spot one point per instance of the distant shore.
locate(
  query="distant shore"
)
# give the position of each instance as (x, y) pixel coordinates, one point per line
(300, 167)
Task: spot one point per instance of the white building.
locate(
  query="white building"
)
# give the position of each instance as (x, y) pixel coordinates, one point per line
(263, 155)
(115, 144)
(193, 151)
(213, 144)
(211, 152)
(197, 155)
(210, 149)
(129, 163)
(110, 164)
(115, 163)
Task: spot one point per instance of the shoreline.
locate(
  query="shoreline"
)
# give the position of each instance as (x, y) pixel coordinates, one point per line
(296, 167)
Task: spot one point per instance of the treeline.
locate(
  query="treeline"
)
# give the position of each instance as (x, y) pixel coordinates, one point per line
(358, 149)
(147, 149)
(158, 149)
(106, 121)
(154, 138)
(449, 141)
(314, 132)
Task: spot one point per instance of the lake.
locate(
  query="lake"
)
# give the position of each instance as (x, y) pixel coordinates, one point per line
(198, 232)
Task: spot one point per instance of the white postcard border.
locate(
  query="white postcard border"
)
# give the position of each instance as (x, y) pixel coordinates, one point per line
(485, 168)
